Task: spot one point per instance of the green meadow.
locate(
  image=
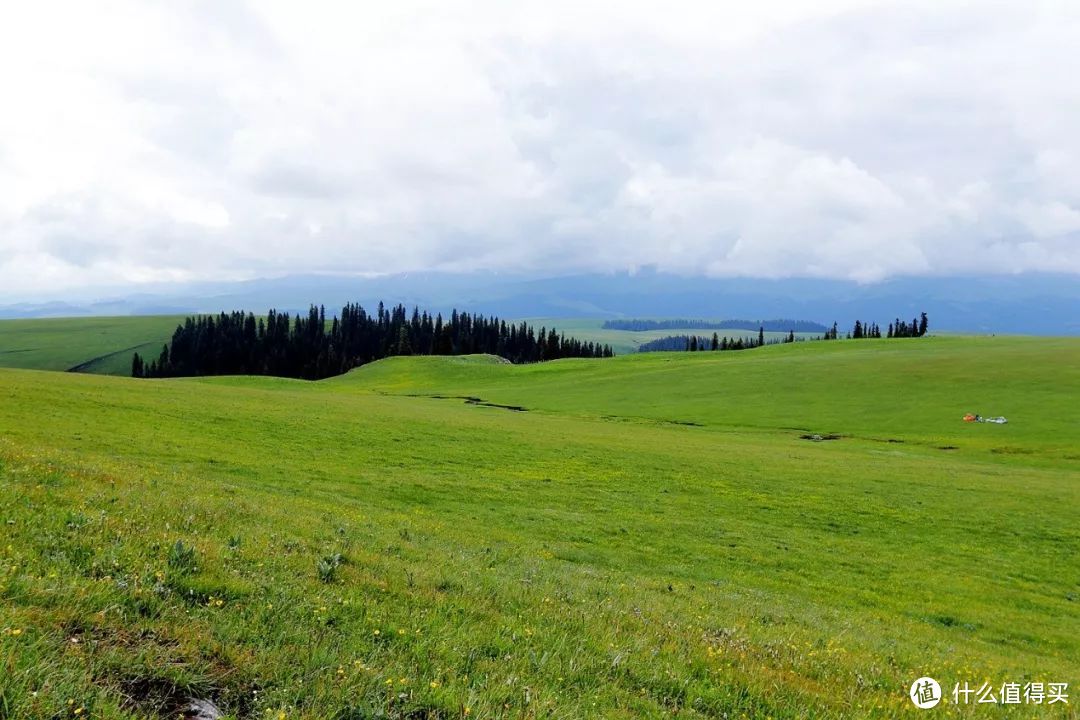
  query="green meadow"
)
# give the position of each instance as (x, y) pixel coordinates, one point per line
(104, 345)
(98, 344)
(455, 537)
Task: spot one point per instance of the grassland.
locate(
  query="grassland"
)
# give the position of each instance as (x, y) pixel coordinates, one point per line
(649, 537)
(101, 345)
(104, 345)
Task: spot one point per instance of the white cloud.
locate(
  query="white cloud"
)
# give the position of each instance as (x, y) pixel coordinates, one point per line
(848, 139)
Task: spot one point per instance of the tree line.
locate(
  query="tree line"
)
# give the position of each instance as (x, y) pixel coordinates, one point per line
(309, 347)
(897, 329)
(636, 325)
(695, 343)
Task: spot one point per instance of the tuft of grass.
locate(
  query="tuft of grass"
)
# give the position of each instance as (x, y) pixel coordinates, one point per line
(327, 567)
(181, 557)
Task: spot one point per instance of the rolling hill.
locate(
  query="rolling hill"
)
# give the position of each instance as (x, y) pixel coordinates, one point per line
(458, 537)
(102, 345)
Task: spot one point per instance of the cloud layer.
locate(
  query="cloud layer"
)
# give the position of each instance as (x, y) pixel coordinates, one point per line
(181, 141)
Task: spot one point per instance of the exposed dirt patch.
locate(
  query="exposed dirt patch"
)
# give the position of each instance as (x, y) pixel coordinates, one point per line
(1012, 451)
(84, 366)
(472, 400)
(157, 697)
(478, 401)
(814, 437)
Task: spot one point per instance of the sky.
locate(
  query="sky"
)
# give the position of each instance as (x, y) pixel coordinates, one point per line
(148, 142)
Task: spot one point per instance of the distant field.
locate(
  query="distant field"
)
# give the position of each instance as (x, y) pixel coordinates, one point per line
(101, 345)
(648, 536)
(628, 341)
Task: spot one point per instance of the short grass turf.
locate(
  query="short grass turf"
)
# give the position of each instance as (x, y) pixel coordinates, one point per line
(102, 345)
(648, 536)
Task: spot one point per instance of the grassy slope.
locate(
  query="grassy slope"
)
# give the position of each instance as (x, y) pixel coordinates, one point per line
(589, 557)
(104, 344)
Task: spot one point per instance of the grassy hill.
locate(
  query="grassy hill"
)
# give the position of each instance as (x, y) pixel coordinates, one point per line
(101, 345)
(644, 536)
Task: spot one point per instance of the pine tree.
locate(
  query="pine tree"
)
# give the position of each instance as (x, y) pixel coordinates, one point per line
(404, 347)
(761, 335)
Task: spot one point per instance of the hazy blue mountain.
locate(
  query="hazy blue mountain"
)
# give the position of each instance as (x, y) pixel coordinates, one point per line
(1023, 303)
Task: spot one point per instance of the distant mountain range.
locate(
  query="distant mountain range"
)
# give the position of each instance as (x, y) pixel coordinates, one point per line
(1041, 304)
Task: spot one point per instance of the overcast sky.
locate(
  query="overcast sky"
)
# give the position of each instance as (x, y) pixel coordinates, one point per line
(155, 141)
